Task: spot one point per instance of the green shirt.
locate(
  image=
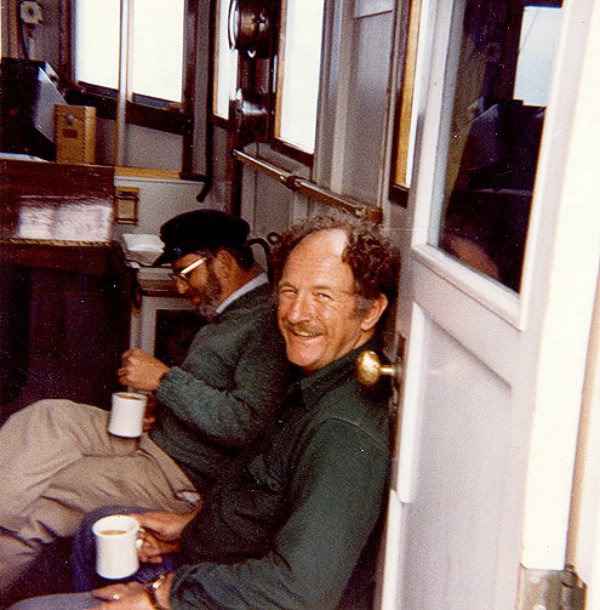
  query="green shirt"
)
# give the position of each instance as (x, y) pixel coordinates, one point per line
(227, 390)
(287, 530)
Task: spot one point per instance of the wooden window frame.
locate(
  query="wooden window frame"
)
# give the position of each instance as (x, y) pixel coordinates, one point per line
(143, 111)
(273, 96)
(399, 181)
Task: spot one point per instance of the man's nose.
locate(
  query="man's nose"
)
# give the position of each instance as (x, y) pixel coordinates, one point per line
(182, 286)
(299, 309)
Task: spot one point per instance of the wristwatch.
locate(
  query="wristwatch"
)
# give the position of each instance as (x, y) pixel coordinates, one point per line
(151, 588)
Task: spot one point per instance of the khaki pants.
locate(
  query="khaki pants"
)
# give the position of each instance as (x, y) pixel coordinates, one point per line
(57, 462)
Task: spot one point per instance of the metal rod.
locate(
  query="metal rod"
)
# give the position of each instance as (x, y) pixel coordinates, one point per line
(263, 166)
(124, 69)
(310, 189)
(360, 210)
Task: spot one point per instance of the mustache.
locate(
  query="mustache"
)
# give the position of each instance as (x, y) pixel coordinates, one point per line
(302, 329)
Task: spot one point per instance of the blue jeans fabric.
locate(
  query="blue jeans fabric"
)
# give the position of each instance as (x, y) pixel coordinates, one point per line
(83, 557)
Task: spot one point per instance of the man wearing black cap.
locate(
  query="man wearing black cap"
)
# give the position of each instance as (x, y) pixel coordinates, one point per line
(287, 527)
(57, 460)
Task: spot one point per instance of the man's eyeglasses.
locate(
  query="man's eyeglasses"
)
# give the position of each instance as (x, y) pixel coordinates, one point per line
(184, 273)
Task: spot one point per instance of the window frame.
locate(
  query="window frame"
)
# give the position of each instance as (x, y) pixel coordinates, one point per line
(276, 144)
(399, 184)
(142, 111)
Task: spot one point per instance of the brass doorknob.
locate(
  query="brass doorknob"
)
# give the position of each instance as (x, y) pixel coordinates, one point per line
(369, 369)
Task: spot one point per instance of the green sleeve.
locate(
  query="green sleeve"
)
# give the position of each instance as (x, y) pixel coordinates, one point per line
(336, 491)
(235, 416)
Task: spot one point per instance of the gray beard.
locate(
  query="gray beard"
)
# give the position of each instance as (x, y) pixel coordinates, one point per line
(211, 298)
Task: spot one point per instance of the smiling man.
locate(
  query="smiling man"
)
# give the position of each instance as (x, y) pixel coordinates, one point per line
(320, 315)
(57, 459)
(287, 527)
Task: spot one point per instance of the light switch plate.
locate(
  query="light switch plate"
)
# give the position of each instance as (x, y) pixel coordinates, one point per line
(126, 205)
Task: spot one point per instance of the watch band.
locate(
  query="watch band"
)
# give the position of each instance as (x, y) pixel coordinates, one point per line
(151, 588)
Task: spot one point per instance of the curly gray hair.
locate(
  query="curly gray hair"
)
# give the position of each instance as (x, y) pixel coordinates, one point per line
(373, 261)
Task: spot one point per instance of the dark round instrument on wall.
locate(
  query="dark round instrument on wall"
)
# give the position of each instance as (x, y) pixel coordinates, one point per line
(250, 27)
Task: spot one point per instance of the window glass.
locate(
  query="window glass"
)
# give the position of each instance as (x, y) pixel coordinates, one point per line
(539, 38)
(225, 64)
(299, 72)
(97, 42)
(157, 67)
(157, 46)
(498, 79)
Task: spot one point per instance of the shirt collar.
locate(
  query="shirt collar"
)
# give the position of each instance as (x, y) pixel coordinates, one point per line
(259, 280)
(312, 387)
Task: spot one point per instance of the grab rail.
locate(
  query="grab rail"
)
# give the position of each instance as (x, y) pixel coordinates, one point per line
(310, 189)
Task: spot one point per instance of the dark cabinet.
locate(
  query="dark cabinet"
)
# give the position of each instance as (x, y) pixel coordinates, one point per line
(64, 303)
(64, 321)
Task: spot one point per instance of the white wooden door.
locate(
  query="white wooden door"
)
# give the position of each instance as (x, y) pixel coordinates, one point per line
(491, 388)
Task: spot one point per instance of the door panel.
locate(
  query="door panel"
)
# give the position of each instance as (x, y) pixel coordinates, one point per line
(486, 436)
(458, 450)
(466, 415)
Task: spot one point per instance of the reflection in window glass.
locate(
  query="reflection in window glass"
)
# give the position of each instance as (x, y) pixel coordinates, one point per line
(539, 37)
(225, 64)
(495, 127)
(299, 73)
(157, 51)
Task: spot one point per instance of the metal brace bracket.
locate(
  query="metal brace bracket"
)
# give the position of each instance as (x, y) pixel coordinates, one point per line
(573, 590)
(551, 590)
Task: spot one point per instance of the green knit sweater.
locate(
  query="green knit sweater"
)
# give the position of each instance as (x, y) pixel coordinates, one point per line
(226, 391)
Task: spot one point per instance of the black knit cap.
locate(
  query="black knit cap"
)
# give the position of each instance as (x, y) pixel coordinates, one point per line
(201, 230)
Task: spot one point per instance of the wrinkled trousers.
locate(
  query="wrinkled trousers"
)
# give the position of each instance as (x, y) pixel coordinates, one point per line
(58, 462)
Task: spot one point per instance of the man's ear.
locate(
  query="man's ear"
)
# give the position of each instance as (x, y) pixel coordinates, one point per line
(223, 264)
(374, 313)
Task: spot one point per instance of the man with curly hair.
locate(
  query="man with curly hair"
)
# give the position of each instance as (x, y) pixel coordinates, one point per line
(286, 527)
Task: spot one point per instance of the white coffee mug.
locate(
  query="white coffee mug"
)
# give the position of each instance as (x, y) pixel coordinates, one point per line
(127, 414)
(116, 546)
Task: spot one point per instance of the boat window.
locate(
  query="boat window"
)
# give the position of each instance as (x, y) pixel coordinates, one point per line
(136, 62)
(498, 80)
(299, 73)
(225, 61)
(155, 67)
(539, 37)
(277, 71)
